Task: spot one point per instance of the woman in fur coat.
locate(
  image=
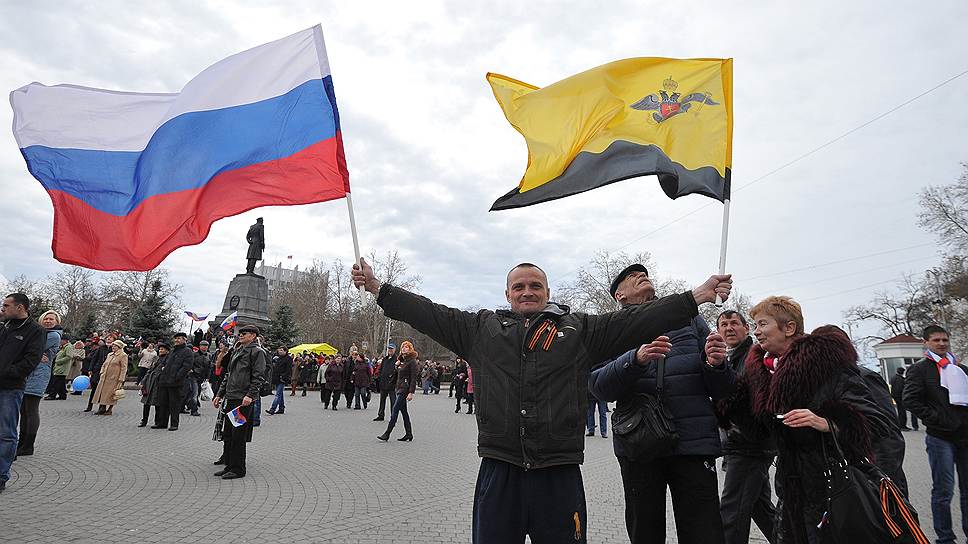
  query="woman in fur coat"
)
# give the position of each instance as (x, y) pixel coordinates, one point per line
(799, 389)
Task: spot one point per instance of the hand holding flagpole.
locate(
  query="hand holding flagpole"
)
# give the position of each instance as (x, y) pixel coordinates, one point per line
(722, 245)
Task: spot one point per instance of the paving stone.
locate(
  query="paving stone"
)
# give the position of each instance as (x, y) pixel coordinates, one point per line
(313, 476)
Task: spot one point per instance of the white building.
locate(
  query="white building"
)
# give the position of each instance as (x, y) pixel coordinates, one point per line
(902, 350)
(277, 276)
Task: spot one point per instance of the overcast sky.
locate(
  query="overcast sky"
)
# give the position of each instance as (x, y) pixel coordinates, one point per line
(429, 150)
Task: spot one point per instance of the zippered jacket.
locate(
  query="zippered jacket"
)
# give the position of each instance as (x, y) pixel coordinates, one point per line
(531, 373)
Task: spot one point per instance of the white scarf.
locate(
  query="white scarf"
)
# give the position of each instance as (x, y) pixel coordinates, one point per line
(953, 378)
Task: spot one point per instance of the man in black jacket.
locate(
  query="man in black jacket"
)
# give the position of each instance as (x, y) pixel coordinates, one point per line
(171, 383)
(688, 472)
(280, 376)
(388, 379)
(897, 393)
(530, 368)
(93, 365)
(936, 390)
(240, 387)
(22, 342)
(746, 489)
(198, 374)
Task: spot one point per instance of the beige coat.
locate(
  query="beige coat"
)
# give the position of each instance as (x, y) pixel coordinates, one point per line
(113, 372)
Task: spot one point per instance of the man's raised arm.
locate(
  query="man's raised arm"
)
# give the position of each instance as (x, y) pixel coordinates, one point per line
(454, 329)
(609, 335)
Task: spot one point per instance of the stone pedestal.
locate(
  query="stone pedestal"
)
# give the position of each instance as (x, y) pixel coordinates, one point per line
(248, 294)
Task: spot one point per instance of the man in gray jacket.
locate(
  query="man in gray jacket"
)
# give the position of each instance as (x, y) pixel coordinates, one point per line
(240, 389)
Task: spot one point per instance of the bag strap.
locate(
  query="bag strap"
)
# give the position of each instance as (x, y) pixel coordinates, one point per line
(660, 377)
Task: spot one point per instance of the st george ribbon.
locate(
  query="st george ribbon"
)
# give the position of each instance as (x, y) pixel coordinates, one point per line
(134, 176)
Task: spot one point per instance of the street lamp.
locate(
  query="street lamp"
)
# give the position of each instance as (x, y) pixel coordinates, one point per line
(939, 302)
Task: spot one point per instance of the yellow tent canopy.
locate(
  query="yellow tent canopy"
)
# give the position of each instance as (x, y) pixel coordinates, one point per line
(323, 348)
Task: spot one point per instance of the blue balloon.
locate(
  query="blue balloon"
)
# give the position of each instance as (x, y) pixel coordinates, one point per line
(81, 383)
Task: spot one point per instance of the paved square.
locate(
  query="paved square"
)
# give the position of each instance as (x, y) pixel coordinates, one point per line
(314, 476)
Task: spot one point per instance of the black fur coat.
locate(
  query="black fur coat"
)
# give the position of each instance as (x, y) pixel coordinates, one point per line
(818, 373)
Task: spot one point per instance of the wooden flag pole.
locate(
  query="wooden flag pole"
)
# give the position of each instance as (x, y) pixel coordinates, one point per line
(356, 240)
(722, 245)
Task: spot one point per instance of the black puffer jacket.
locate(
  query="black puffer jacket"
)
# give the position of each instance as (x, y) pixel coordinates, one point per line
(281, 369)
(818, 373)
(531, 374)
(388, 373)
(689, 384)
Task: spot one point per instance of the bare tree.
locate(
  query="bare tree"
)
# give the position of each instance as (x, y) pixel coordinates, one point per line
(122, 293)
(904, 312)
(944, 211)
(72, 291)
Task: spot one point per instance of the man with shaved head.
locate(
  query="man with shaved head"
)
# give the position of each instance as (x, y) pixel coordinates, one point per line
(531, 366)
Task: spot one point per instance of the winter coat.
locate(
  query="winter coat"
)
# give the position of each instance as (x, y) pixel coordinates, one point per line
(92, 364)
(113, 372)
(689, 384)
(819, 373)
(470, 381)
(39, 378)
(926, 398)
(177, 366)
(406, 376)
(77, 362)
(147, 358)
(889, 449)
(736, 442)
(348, 375)
(200, 366)
(149, 385)
(281, 369)
(897, 387)
(533, 371)
(307, 371)
(245, 373)
(361, 374)
(388, 373)
(321, 374)
(62, 361)
(334, 376)
(21, 345)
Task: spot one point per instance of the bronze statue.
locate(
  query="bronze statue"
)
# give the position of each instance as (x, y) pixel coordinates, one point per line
(257, 242)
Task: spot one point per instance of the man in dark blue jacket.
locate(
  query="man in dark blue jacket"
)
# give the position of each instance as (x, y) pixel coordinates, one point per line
(22, 341)
(690, 471)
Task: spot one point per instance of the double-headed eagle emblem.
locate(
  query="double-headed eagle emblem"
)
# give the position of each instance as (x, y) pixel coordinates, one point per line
(667, 102)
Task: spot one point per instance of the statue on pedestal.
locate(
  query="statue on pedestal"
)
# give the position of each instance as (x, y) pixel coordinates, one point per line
(257, 243)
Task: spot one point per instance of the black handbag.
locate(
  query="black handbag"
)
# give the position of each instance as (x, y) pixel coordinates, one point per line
(642, 425)
(864, 506)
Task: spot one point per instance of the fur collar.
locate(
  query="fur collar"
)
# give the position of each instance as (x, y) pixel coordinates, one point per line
(812, 361)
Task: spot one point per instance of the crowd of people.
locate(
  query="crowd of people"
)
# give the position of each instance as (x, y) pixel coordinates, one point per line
(758, 391)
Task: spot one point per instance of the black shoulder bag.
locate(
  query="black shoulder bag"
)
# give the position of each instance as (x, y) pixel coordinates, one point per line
(642, 424)
(863, 504)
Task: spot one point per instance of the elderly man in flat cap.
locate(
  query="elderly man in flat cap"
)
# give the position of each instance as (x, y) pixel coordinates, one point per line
(246, 371)
(689, 470)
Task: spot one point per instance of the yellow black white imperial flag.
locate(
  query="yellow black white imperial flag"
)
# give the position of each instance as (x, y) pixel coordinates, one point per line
(644, 116)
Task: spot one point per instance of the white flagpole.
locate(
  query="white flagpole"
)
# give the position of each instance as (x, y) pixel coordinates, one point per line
(722, 245)
(356, 241)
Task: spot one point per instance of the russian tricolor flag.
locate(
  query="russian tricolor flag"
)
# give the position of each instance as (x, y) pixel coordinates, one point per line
(133, 176)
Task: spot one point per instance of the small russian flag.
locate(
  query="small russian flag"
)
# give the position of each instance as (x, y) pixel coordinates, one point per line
(231, 321)
(236, 417)
(196, 317)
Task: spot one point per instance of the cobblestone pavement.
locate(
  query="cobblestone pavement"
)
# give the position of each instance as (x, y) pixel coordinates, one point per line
(313, 476)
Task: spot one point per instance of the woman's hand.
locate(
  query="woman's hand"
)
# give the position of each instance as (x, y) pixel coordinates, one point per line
(803, 417)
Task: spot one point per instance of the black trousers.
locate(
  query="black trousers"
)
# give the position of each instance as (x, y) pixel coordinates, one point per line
(902, 416)
(58, 387)
(324, 394)
(746, 496)
(336, 394)
(384, 395)
(695, 499)
(90, 400)
(400, 406)
(170, 402)
(349, 395)
(145, 411)
(233, 438)
(547, 504)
